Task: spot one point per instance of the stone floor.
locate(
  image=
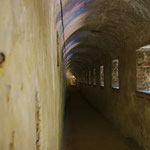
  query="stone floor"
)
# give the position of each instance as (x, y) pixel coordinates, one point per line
(86, 129)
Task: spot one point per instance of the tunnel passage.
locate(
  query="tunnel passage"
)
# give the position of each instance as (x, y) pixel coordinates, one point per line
(96, 42)
(99, 40)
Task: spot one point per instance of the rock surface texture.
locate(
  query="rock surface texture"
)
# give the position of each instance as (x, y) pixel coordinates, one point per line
(143, 69)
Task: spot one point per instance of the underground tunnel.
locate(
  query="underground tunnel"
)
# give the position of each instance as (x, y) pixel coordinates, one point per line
(75, 75)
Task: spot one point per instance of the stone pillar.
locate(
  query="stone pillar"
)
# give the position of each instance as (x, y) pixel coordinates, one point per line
(90, 76)
(107, 73)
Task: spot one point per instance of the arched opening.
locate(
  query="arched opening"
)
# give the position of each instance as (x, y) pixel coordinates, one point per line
(143, 69)
(115, 73)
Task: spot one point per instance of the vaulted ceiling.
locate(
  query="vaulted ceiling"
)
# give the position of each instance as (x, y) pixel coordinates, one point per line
(90, 29)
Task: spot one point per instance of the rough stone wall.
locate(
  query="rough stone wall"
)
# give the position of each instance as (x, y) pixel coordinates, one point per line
(115, 73)
(143, 68)
(30, 80)
(102, 75)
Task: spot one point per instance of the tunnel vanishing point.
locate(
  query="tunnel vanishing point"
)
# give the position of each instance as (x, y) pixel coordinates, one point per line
(102, 44)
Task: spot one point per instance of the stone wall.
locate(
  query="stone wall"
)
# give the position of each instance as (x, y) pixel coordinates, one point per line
(30, 80)
(115, 73)
(143, 69)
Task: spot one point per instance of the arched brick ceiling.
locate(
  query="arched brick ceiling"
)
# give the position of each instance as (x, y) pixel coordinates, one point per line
(93, 28)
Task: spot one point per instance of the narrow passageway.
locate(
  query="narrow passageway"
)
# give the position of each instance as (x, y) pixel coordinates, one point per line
(86, 129)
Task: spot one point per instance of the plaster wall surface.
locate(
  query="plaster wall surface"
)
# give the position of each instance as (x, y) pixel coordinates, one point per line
(31, 96)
